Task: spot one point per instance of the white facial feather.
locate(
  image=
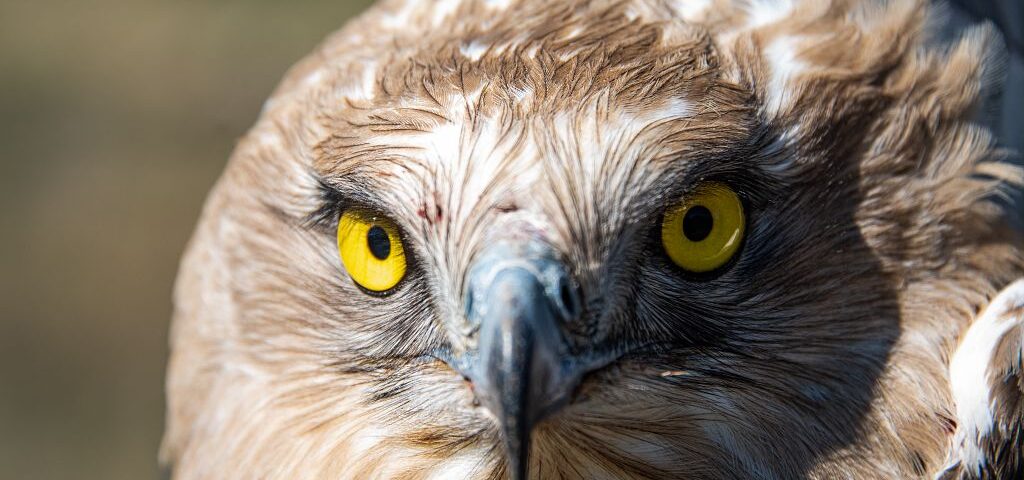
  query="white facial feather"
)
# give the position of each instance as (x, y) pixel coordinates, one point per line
(970, 368)
(691, 10)
(473, 50)
(784, 66)
(766, 12)
(443, 9)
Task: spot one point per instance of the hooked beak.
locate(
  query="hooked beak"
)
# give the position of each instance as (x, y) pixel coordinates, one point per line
(520, 298)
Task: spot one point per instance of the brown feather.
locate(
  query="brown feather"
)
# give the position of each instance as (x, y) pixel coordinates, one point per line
(874, 244)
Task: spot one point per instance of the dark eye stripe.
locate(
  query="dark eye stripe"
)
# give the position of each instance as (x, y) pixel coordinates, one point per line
(379, 243)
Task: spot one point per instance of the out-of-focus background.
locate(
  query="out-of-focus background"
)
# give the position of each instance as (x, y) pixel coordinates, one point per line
(116, 117)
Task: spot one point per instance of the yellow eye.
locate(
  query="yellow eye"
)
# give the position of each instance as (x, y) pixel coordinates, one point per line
(371, 250)
(704, 231)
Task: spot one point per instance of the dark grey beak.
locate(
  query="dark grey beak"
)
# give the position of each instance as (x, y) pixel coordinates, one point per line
(520, 301)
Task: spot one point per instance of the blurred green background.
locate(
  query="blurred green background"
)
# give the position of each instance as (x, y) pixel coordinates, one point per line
(116, 117)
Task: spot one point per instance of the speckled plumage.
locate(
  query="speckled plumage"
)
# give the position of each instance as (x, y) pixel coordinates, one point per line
(822, 352)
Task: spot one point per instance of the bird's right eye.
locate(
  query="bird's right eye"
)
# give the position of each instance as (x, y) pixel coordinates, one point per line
(704, 231)
(371, 250)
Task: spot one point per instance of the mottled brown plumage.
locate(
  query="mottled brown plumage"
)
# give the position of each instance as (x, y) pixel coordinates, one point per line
(823, 352)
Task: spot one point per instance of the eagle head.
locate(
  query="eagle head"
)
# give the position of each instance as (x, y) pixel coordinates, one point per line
(598, 239)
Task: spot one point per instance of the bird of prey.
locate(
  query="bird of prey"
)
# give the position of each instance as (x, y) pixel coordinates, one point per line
(701, 239)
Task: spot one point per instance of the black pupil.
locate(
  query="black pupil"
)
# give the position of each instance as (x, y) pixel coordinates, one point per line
(697, 223)
(380, 244)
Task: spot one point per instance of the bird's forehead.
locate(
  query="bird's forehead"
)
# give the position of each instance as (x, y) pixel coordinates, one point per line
(547, 173)
(568, 127)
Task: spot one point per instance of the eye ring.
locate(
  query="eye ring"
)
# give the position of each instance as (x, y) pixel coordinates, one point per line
(371, 250)
(703, 231)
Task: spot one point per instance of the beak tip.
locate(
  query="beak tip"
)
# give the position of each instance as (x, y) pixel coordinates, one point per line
(518, 463)
(521, 367)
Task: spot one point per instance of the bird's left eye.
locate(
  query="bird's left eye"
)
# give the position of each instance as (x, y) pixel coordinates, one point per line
(704, 231)
(371, 250)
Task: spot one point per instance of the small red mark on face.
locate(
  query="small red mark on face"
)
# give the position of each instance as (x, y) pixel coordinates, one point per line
(434, 215)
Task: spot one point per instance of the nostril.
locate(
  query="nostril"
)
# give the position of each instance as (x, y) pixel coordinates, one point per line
(570, 299)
